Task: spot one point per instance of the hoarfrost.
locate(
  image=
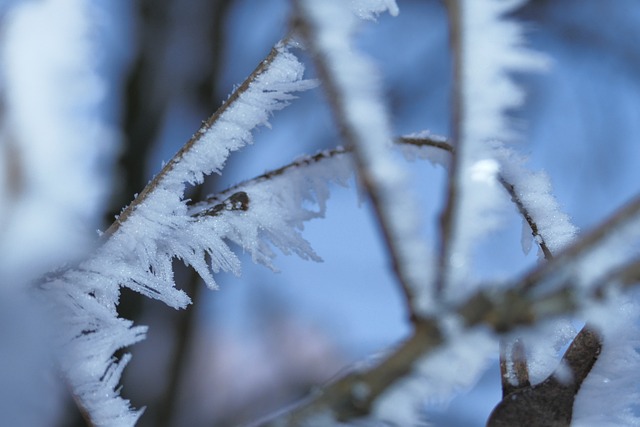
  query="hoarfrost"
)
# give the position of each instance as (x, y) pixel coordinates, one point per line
(526, 239)
(533, 189)
(278, 206)
(438, 156)
(360, 103)
(138, 254)
(491, 47)
(544, 345)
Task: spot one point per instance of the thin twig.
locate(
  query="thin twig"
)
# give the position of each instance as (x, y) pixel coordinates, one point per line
(450, 212)
(210, 202)
(527, 217)
(351, 136)
(157, 180)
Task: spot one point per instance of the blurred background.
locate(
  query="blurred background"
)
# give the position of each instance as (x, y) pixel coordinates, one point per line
(266, 339)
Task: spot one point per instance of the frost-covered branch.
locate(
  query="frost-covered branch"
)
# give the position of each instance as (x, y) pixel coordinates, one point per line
(355, 395)
(603, 244)
(501, 310)
(138, 249)
(485, 46)
(213, 204)
(159, 179)
(350, 82)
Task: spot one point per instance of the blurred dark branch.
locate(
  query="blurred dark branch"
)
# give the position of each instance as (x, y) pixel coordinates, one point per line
(502, 310)
(178, 366)
(349, 132)
(145, 100)
(550, 403)
(450, 212)
(207, 96)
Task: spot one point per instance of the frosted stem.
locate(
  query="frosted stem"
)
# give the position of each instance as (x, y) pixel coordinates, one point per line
(208, 124)
(352, 93)
(450, 211)
(616, 222)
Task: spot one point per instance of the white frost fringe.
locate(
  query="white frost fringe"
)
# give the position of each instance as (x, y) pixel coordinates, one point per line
(491, 48)
(356, 80)
(138, 255)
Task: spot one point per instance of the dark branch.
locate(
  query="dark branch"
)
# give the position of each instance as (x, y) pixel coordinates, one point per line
(516, 376)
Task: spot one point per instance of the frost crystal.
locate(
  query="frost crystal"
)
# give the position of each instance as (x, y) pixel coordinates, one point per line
(139, 253)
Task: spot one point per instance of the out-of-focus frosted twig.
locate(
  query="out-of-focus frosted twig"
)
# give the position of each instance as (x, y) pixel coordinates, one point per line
(352, 91)
(500, 309)
(447, 218)
(513, 366)
(574, 253)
